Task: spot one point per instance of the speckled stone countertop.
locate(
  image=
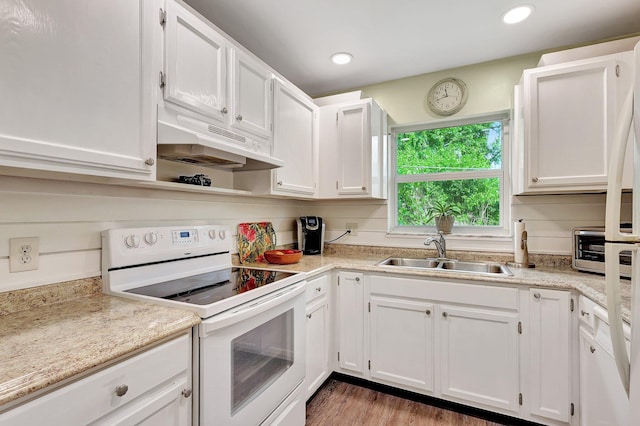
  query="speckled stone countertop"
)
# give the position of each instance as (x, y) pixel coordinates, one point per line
(55, 332)
(552, 272)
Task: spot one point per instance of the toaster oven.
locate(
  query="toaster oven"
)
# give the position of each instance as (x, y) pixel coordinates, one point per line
(588, 251)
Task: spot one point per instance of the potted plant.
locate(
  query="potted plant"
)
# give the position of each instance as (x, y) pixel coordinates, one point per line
(443, 213)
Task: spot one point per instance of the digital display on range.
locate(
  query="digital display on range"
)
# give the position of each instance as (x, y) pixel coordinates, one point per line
(185, 237)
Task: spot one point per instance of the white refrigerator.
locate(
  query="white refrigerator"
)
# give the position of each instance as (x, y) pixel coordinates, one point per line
(627, 361)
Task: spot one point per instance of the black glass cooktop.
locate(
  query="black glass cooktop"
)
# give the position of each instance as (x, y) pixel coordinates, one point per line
(205, 289)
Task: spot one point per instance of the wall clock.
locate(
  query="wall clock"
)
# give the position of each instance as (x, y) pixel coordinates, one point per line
(447, 96)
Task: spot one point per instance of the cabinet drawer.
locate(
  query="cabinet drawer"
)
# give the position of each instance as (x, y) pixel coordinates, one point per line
(585, 309)
(91, 398)
(317, 287)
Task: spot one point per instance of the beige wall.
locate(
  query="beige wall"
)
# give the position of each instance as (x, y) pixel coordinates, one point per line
(549, 219)
(490, 87)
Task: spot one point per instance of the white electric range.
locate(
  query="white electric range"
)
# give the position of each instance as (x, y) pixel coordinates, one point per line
(250, 347)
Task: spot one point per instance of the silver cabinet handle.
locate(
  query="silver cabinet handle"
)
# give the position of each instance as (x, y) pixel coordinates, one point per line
(186, 392)
(239, 117)
(309, 316)
(358, 279)
(584, 313)
(279, 183)
(224, 110)
(428, 311)
(121, 390)
(536, 295)
(592, 349)
(534, 179)
(149, 161)
(444, 314)
(318, 289)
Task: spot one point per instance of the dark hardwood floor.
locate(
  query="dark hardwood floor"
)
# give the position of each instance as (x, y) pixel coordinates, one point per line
(340, 403)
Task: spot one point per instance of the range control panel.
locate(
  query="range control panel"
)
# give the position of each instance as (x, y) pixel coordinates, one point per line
(135, 246)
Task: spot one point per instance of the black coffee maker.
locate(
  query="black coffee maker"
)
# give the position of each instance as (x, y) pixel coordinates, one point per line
(310, 234)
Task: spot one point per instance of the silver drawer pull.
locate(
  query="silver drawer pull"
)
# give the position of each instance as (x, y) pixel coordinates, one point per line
(121, 390)
(318, 289)
(428, 311)
(309, 316)
(584, 313)
(444, 314)
(186, 392)
(536, 295)
(592, 349)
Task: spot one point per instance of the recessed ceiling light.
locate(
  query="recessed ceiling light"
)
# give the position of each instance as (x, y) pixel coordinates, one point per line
(517, 14)
(341, 58)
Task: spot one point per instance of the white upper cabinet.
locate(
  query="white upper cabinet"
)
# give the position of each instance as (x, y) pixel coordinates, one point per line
(195, 64)
(208, 74)
(251, 95)
(77, 82)
(353, 149)
(295, 141)
(566, 119)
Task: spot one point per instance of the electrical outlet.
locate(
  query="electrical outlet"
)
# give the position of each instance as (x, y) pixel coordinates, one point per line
(353, 227)
(24, 254)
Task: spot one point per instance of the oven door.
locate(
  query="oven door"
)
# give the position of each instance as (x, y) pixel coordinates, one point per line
(252, 357)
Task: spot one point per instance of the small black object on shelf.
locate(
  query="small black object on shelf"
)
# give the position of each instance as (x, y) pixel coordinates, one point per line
(200, 179)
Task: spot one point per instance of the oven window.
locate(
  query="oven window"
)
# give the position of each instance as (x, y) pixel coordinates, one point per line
(259, 357)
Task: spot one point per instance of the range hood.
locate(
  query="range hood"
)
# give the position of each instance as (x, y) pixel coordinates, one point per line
(210, 146)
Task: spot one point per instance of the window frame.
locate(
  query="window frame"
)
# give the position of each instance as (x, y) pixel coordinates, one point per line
(504, 173)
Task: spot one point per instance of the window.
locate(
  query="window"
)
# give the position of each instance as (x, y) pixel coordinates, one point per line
(461, 163)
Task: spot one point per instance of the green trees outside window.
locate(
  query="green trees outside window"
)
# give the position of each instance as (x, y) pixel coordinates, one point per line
(460, 165)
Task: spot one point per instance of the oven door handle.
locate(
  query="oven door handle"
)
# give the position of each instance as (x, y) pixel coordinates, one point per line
(251, 309)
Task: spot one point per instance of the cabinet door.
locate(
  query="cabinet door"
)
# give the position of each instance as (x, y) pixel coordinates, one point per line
(402, 342)
(317, 345)
(169, 407)
(479, 357)
(295, 141)
(251, 94)
(354, 149)
(77, 82)
(570, 118)
(196, 63)
(350, 322)
(603, 400)
(550, 337)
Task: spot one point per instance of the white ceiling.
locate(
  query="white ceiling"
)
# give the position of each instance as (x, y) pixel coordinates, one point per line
(392, 39)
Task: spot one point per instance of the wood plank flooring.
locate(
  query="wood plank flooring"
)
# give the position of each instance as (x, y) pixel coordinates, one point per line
(339, 403)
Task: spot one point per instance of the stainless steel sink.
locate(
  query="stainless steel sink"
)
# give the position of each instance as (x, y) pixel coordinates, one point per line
(476, 267)
(488, 268)
(410, 263)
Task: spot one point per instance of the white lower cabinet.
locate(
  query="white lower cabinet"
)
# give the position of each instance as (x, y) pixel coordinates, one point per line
(350, 323)
(318, 334)
(401, 342)
(478, 352)
(550, 353)
(152, 388)
(603, 400)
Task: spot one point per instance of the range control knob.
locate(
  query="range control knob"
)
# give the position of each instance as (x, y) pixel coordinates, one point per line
(212, 234)
(151, 238)
(222, 234)
(132, 241)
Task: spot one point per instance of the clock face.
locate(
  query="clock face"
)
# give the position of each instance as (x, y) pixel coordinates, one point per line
(447, 96)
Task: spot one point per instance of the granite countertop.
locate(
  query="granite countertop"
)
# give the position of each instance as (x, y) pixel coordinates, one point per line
(52, 333)
(554, 276)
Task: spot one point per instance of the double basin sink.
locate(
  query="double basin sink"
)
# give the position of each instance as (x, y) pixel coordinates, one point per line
(440, 264)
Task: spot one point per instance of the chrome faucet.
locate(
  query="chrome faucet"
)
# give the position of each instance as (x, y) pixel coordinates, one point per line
(440, 243)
